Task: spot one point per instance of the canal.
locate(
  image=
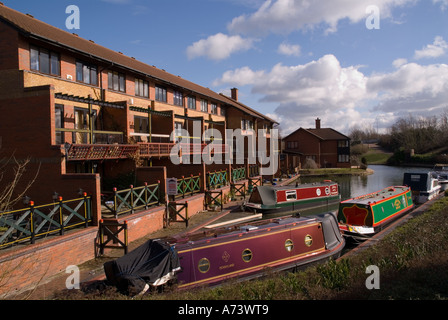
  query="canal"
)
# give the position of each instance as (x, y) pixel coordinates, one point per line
(353, 185)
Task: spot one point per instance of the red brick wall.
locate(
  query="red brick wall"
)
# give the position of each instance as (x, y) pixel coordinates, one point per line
(9, 44)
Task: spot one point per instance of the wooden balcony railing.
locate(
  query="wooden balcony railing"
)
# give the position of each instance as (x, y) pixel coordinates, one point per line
(83, 152)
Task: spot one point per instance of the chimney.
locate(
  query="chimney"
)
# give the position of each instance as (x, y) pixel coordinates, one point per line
(234, 94)
(317, 123)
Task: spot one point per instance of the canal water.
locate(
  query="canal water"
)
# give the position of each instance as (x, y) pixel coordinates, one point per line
(351, 186)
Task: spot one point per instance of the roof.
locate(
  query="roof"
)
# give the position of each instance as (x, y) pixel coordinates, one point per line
(34, 28)
(322, 134)
(247, 109)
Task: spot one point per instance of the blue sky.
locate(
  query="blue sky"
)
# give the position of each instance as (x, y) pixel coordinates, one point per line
(294, 60)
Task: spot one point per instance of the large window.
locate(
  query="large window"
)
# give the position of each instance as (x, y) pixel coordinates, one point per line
(214, 108)
(86, 73)
(45, 61)
(59, 123)
(141, 124)
(204, 105)
(117, 81)
(141, 88)
(178, 98)
(192, 103)
(160, 94)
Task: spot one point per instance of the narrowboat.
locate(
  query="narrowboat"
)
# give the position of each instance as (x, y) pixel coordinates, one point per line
(424, 186)
(366, 215)
(242, 252)
(441, 170)
(274, 199)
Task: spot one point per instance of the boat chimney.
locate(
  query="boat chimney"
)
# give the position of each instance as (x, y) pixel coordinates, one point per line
(234, 94)
(317, 123)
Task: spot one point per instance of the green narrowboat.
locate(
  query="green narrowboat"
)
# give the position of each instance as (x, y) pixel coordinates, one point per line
(366, 215)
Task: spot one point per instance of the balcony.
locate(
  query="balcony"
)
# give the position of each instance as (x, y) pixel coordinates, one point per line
(84, 152)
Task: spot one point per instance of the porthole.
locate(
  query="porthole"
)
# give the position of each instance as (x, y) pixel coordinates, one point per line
(289, 245)
(308, 240)
(247, 255)
(204, 265)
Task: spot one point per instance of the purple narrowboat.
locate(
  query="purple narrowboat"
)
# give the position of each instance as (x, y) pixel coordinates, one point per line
(241, 251)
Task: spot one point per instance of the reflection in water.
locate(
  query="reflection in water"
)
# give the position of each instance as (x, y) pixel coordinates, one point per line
(353, 186)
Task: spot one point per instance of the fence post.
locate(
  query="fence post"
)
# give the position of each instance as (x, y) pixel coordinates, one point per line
(61, 217)
(132, 198)
(146, 195)
(115, 203)
(86, 207)
(32, 222)
(158, 192)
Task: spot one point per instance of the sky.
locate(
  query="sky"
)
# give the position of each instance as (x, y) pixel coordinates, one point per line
(351, 63)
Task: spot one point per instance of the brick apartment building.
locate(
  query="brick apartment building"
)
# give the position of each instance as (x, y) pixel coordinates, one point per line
(88, 117)
(327, 148)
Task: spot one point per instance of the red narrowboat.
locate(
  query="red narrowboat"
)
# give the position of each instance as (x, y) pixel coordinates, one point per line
(274, 199)
(242, 251)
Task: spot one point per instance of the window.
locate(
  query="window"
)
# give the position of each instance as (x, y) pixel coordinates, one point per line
(192, 103)
(344, 158)
(204, 265)
(247, 255)
(308, 240)
(59, 123)
(141, 88)
(86, 73)
(141, 125)
(45, 61)
(289, 245)
(117, 81)
(178, 98)
(214, 108)
(160, 94)
(291, 195)
(223, 111)
(204, 105)
(292, 145)
(243, 124)
(343, 143)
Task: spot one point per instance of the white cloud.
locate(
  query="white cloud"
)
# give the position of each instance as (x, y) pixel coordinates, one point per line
(399, 62)
(341, 96)
(411, 88)
(303, 92)
(285, 16)
(438, 48)
(219, 46)
(239, 77)
(289, 49)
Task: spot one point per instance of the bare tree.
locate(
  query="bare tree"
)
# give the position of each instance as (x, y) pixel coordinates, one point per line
(14, 190)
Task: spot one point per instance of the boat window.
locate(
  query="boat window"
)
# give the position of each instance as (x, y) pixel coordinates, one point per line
(308, 240)
(247, 255)
(289, 245)
(291, 195)
(204, 265)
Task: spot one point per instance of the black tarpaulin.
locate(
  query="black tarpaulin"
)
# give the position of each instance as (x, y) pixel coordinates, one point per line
(152, 263)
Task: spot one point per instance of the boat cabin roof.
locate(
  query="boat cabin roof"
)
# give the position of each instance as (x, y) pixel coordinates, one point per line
(224, 233)
(378, 196)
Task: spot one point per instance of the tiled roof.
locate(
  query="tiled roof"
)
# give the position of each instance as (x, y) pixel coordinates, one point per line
(32, 27)
(323, 134)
